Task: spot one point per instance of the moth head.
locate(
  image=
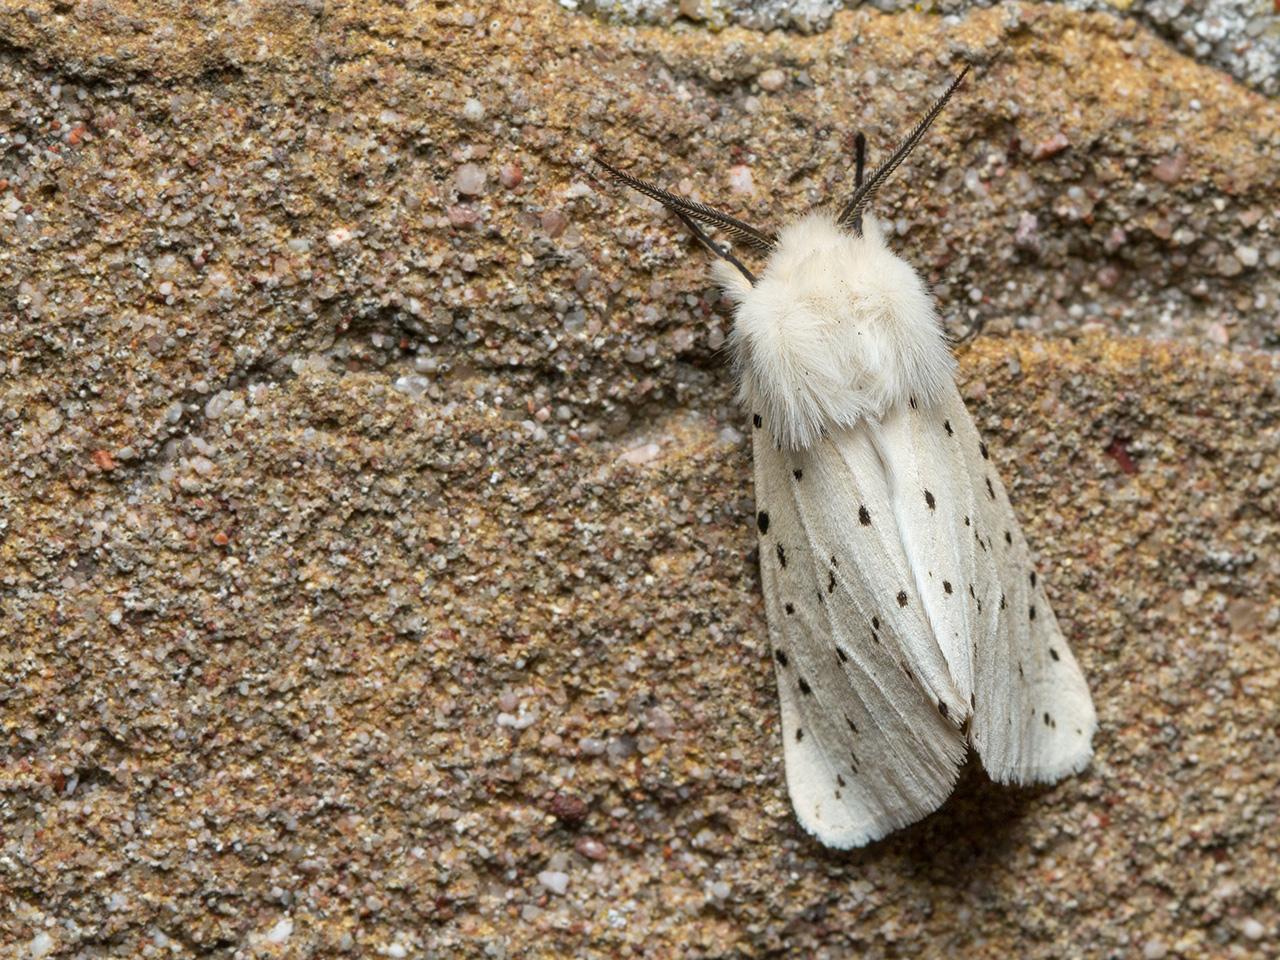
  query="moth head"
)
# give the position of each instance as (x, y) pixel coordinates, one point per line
(837, 327)
(693, 213)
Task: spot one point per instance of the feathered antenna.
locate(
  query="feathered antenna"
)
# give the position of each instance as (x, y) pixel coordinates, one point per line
(859, 168)
(852, 211)
(690, 210)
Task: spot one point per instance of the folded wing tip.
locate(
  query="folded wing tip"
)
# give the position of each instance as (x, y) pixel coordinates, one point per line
(843, 826)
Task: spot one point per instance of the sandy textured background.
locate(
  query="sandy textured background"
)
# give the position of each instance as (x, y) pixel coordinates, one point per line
(376, 575)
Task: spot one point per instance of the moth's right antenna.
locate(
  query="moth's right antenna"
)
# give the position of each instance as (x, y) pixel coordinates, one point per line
(690, 210)
(867, 191)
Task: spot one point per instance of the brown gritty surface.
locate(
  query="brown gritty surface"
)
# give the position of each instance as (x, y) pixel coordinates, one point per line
(375, 545)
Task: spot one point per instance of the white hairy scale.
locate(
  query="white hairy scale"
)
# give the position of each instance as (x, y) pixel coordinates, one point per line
(906, 620)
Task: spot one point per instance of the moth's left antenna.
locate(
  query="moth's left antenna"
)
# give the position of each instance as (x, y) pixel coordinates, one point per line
(690, 211)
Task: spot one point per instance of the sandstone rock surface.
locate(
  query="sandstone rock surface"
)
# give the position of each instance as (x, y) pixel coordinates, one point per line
(375, 569)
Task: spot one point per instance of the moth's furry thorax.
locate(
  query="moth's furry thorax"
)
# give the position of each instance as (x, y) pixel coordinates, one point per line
(836, 329)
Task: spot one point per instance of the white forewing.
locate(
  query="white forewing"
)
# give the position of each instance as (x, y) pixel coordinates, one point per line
(933, 505)
(869, 712)
(1033, 720)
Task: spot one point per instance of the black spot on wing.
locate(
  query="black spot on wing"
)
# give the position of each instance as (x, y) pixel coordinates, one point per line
(781, 657)
(944, 709)
(762, 521)
(929, 501)
(1033, 578)
(782, 556)
(1054, 653)
(902, 598)
(755, 419)
(798, 474)
(875, 623)
(986, 455)
(864, 516)
(1032, 612)
(946, 425)
(831, 581)
(790, 608)
(799, 734)
(946, 585)
(804, 686)
(841, 655)
(991, 492)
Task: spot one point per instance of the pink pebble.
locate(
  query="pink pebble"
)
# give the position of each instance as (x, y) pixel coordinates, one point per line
(554, 223)
(460, 216)
(1050, 147)
(591, 848)
(510, 175)
(1170, 168)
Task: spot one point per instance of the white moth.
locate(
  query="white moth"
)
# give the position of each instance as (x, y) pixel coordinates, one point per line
(906, 620)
